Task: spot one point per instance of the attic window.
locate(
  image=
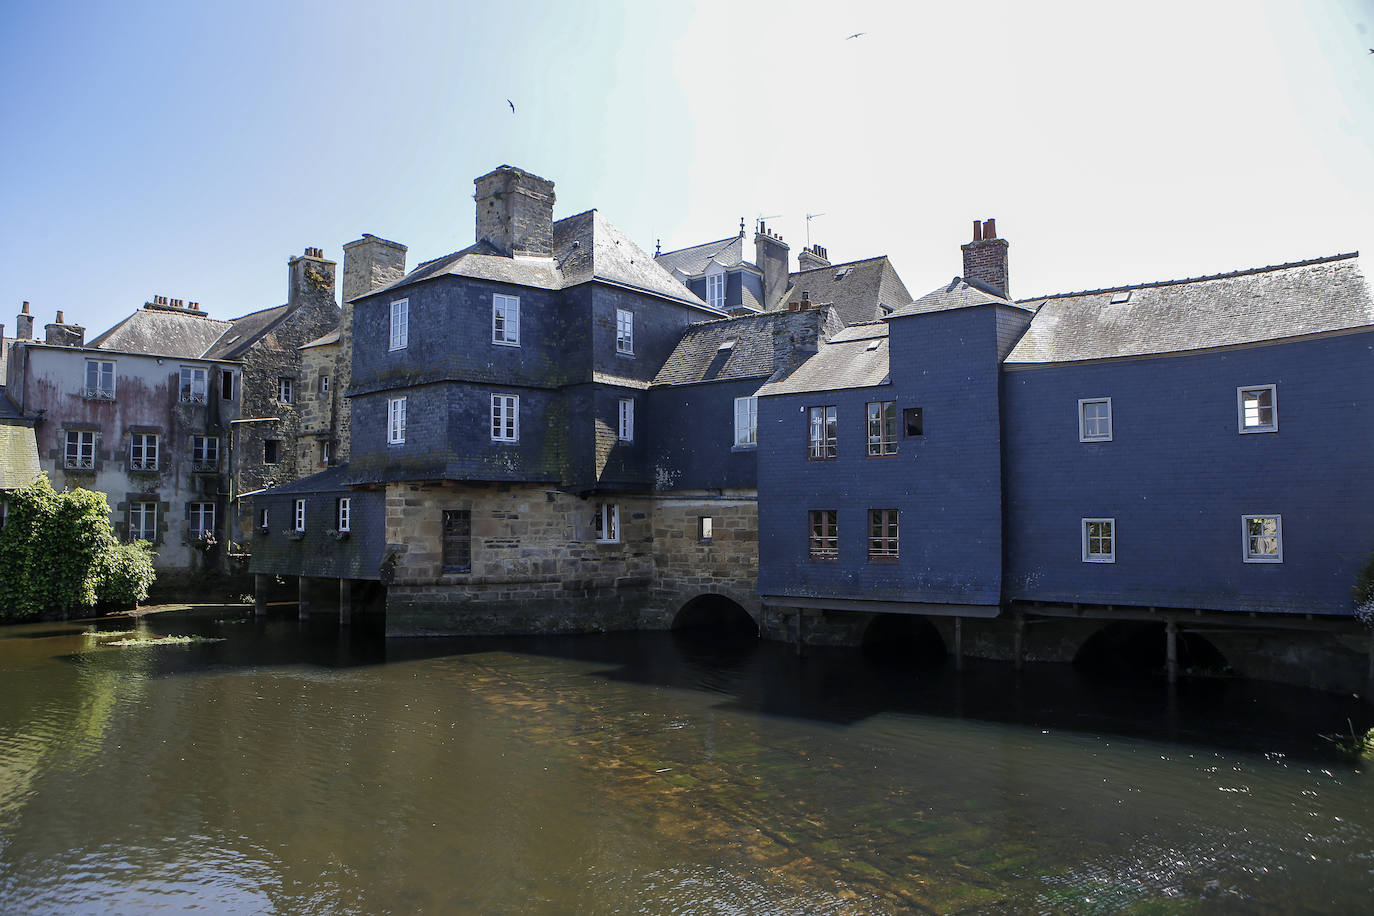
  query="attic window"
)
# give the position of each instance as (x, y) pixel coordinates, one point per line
(728, 345)
(840, 274)
(1121, 298)
(232, 339)
(873, 345)
(886, 309)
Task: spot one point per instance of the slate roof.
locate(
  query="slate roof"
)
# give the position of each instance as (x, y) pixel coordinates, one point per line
(331, 338)
(694, 261)
(162, 332)
(18, 446)
(856, 290)
(1173, 316)
(330, 480)
(8, 409)
(244, 331)
(957, 294)
(846, 361)
(586, 247)
(699, 357)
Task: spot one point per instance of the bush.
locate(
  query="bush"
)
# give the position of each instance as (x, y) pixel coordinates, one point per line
(125, 575)
(1364, 592)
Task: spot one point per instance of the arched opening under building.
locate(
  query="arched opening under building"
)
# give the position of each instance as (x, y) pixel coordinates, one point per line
(715, 615)
(904, 639)
(1139, 647)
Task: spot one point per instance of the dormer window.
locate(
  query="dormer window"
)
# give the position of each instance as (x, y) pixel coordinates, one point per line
(715, 290)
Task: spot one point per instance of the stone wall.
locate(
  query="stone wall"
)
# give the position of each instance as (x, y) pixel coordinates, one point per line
(687, 565)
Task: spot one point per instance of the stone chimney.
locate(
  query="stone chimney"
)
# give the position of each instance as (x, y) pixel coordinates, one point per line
(61, 334)
(770, 254)
(812, 257)
(369, 263)
(515, 212)
(985, 258)
(23, 324)
(309, 276)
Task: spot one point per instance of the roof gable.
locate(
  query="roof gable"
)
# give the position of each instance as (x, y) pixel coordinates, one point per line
(857, 290)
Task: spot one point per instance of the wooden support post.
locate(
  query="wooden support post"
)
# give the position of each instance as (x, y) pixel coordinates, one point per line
(303, 596)
(1171, 649)
(1019, 650)
(345, 602)
(958, 644)
(259, 594)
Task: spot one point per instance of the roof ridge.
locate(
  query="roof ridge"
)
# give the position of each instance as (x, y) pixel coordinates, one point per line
(723, 241)
(257, 312)
(878, 257)
(1244, 272)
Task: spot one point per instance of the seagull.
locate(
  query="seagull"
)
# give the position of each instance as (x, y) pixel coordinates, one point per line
(512, 106)
(856, 35)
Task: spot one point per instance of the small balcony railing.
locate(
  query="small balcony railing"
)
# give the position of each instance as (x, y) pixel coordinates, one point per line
(80, 464)
(99, 394)
(143, 464)
(205, 467)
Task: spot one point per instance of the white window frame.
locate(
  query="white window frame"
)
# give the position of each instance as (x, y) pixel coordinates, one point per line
(1099, 557)
(104, 379)
(286, 390)
(324, 384)
(300, 516)
(324, 452)
(1083, 434)
(715, 290)
(1245, 536)
(747, 433)
(145, 446)
(396, 421)
(195, 385)
(505, 418)
(505, 320)
(198, 512)
(205, 453)
(85, 449)
(626, 415)
(1273, 425)
(606, 523)
(146, 513)
(262, 520)
(399, 337)
(625, 332)
(345, 514)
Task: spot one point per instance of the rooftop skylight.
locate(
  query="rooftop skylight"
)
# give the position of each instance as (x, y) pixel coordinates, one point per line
(1121, 298)
(728, 345)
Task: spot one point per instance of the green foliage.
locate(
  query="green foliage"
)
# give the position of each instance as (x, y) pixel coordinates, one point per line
(125, 574)
(1364, 592)
(55, 549)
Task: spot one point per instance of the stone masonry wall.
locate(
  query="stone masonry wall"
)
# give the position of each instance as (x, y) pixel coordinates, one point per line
(686, 565)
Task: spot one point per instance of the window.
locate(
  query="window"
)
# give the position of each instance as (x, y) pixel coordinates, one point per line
(882, 534)
(226, 384)
(202, 519)
(262, 520)
(825, 539)
(205, 453)
(143, 452)
(194, 383)
(100, 379)
(457, 546)
(607, 523)
(271, 451)
(1095, 420)
(505, 418)
(396, 421)
(1099, 540)
(715, 290)
(505, 320)
(746, 422)
(400, 324)
(1258, 409)
(823, 433)
(624, 331)
(324, 384)
(344, 508)
(1263, 538)
(300, 515)
(882, 428)
(913, 421)
(324, 453)
(704, 528)
(143, 521)
(627, 420)
(80, 449)
(286, 390)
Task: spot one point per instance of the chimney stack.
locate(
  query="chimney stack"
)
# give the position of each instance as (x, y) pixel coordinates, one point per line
(309, 276)
(770, 254)
(61, 334)
(23, 324)
(515, 212)
(369, 263)
(812, 257)
(985, 258)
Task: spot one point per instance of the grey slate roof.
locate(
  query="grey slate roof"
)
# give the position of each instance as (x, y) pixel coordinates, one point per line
(8, 409)
(330, 480)
(1173, 316)
(856, 290)
(162, 332)
(694, 261)
(698, 356)
(243, 331)
(958, 294)
(585, 247)
(18, 446)
(331, 338)
(840, 363)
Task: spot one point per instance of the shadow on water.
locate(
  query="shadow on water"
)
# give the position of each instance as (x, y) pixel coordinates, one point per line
(838, 686)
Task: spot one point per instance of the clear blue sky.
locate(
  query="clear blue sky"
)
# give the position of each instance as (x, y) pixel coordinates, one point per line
(188, 150)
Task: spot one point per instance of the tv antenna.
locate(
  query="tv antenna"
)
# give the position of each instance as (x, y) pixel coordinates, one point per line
(809, 218)
(758, 222)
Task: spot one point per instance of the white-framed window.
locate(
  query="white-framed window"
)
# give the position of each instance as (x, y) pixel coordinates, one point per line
(627, 420)
(142, 521)
(704, 525)
(823, 434)
(1263, 538)
(505, 418)
(202, 519)
(324, 384)
(1257, 409)
(344, 513)
(300, 515)
(505, 320)
(400, 324)
(286, 390)
(80, 449)
(715, 290)
(262, 519)
(396, 421)
(100, 379)
(746, 422)
(882, 428)
(325, 450)
(1094, 419)
(143, 452)
(607, 523)
(205, 453)
(625, 331)
(194, 384)
(1099, 540)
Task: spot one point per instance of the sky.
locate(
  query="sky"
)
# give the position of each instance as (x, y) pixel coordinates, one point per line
(188, 150)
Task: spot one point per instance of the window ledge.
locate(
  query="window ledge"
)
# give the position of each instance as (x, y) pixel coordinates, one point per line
(505, 343)
(745, 448)
(295, 535)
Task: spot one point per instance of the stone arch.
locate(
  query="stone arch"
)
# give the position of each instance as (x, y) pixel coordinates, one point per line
(1136, 647)
(711, 611)
(905, 638)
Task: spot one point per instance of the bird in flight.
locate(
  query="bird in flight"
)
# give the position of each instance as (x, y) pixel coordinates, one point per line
(512, 106)
(856, 35)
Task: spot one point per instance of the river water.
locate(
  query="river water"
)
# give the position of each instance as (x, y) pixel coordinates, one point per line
(273, 766)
